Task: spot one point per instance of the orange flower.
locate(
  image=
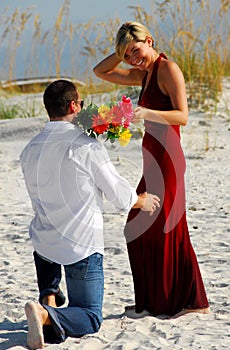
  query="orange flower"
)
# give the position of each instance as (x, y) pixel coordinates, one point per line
(100, 125)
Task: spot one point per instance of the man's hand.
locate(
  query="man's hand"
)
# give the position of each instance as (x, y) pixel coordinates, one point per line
(151, 202)
(147, 202)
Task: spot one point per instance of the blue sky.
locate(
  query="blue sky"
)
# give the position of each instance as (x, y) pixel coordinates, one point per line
(80, 10)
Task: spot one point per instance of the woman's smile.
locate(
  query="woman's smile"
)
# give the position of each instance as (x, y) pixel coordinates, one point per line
(138, 63)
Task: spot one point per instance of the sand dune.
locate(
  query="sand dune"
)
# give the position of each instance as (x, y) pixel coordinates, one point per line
(207, 147)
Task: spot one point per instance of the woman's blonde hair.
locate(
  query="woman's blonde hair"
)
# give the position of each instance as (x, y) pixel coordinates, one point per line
(130, 31)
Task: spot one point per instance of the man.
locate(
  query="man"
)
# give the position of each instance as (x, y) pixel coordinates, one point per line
(66, 173)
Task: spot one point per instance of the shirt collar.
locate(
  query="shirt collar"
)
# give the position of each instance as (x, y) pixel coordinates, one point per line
(63, 125)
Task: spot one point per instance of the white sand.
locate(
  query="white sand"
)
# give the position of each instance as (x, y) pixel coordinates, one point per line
(206, 144)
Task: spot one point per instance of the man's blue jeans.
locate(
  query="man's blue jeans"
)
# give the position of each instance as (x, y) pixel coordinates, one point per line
(85, 288)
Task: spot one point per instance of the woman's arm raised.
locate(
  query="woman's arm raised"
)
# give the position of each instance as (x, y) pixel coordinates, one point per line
(108, 69)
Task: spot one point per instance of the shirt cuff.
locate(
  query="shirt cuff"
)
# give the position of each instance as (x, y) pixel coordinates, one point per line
(134, 197)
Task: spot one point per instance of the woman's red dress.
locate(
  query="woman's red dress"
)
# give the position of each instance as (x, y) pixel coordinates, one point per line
(165, 271)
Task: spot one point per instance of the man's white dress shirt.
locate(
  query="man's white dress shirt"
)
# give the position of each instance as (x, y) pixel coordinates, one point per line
(66, 174)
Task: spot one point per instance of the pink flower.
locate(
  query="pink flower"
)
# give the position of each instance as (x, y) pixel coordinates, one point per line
(116, 115)
(127, 110)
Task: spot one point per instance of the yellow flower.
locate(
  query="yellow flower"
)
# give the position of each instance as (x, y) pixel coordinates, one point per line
(104, 110)
(125, 138)
(115, 129)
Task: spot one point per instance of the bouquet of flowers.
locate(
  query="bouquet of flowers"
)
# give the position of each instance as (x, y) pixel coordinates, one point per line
(112, 121)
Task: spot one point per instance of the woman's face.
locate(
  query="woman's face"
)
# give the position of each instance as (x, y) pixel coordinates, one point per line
(139, 54)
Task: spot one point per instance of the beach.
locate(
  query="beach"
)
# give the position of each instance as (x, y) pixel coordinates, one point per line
(206, 144)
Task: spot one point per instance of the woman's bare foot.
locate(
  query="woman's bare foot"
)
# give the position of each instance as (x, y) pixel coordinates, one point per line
(187, 311)
(131, 313)
(37, 316)
(129, 307)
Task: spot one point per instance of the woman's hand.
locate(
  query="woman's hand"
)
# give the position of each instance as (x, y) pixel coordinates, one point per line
(153, 115)
(141, 113)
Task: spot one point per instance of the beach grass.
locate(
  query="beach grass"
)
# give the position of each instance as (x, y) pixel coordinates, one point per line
(17, 110)
(193, 33)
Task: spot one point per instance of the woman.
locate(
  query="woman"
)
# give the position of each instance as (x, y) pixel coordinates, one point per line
(166, 274)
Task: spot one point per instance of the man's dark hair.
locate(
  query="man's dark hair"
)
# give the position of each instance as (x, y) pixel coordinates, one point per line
(57, 97)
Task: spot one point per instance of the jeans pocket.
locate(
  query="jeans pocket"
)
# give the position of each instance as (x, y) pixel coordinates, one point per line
(77, 271)
(97, 261)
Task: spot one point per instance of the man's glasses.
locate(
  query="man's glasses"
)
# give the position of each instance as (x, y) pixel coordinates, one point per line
(80, 102)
